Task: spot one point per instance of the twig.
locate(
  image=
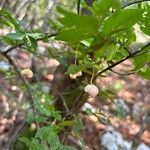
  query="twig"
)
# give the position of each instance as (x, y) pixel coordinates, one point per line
(142, 53)
(11, 48)
(79, 101)
(122, 60)
(48, 35)
(61, 96)
(122, 74)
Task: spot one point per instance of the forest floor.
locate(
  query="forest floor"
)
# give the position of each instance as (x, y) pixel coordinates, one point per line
(135, 92)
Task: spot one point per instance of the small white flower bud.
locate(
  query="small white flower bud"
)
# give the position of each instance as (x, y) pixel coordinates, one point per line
(27, 72)
(53, 63)
(14, 88)
(43, 99)
(33, 126)
(73, 76)
(78, 74)
(92, 90)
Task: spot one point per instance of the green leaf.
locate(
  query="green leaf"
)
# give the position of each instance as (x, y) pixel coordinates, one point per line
(40, 119)
(125, 37)
(75, 69)
(145, 72)
(9, 40)
(36, 36)
(88, 111)
(66, 147)
(88, 24)
(66, 123)
(87, 42)
(72, 35)
(30, 117)
(43, 132)
(30, 42)
(53, 24)
(4, 22)
(43, 147)
(116, 4)
(110, 52)
(43, 110)
(101, 8)
(56, 115)
(120, 54)
(79, 123)
(141, 60)
(15, 36)
(121, 20)
(35, 145)
(7, 18)
(26, 141)
(53, 140)
(145, 23)
(76, 27)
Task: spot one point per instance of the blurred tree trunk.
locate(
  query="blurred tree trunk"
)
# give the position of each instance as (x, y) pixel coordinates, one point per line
(89, 3)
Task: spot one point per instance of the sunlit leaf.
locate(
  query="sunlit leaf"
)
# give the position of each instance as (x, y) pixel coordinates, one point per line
(8, 19)
(122, 20)
(15, 36)
(145, 72)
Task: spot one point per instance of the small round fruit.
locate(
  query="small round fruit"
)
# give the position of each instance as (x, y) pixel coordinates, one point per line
(92, 90)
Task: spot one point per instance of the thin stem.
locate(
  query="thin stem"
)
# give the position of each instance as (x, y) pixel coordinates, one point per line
(122, 60)
(122, 74)
(61, 96)
(92, 74)
(12, 48)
